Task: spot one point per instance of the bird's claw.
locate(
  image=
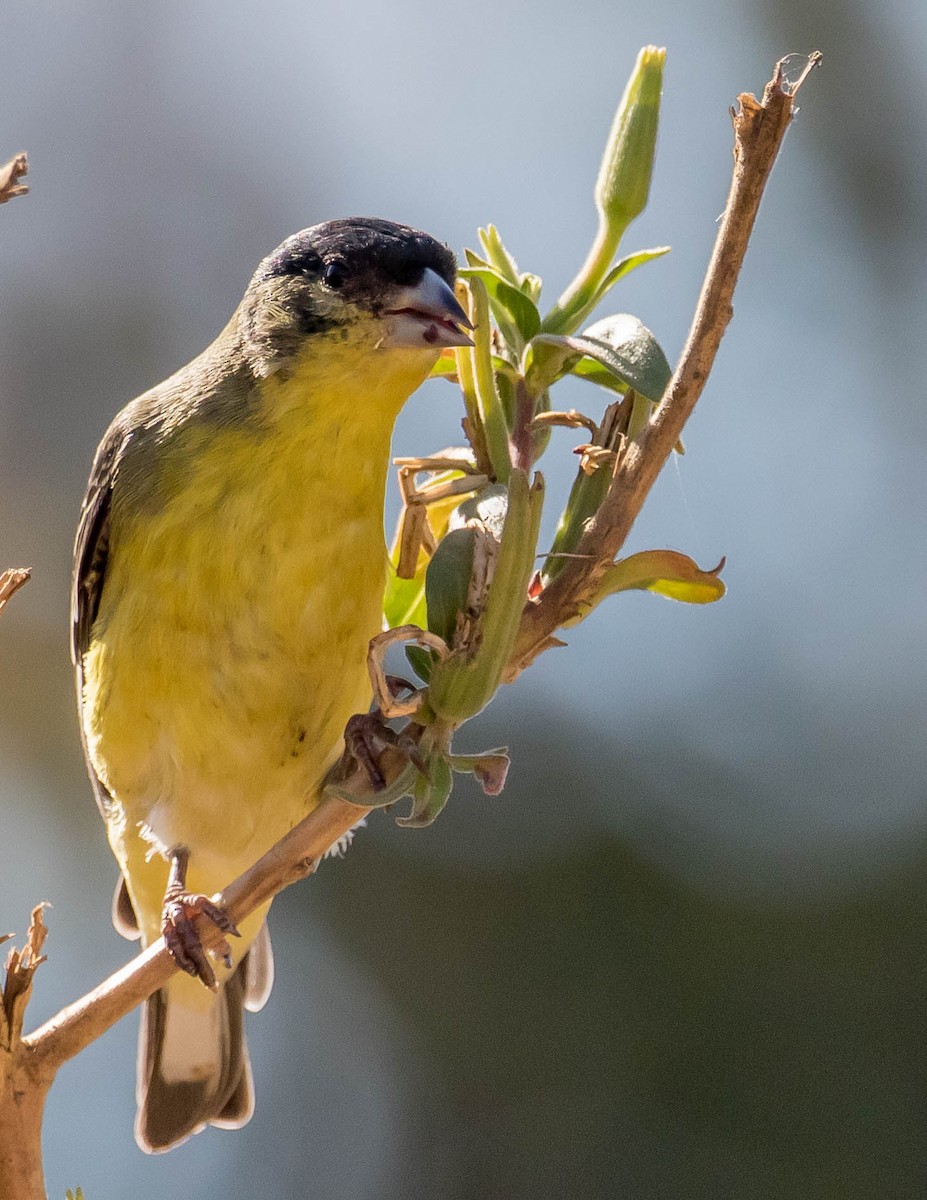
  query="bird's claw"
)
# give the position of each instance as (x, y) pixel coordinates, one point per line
(181, 937)
(367, 735)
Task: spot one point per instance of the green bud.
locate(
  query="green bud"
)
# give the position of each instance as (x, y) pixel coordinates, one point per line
(463, 683)
(621, 189)
(624, 177)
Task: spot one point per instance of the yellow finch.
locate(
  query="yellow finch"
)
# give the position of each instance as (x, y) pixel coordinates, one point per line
(229, 573)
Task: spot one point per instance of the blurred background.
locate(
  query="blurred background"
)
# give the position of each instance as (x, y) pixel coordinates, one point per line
(682, 955)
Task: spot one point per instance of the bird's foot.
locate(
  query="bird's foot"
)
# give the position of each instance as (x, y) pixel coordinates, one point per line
(179, 916)
(367, 735)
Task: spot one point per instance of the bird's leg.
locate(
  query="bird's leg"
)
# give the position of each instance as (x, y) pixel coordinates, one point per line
(178, 922)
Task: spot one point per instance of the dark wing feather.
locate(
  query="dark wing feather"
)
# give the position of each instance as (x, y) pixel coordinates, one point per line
(90, 553)
(92, 543)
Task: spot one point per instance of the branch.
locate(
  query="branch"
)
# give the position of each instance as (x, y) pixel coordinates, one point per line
(293, 857)
(10, 175)
(22, 1089)
(759, 129)
(11, 581)
(21, 966)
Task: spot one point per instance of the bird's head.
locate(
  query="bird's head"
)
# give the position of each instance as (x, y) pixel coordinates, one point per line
(371, 285)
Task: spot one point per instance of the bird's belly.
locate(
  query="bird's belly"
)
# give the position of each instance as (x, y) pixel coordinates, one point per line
(221, 673)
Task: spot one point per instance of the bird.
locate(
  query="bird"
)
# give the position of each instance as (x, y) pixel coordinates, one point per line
(229, 571)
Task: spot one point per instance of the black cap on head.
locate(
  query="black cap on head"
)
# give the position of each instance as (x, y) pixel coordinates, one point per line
(361, 257)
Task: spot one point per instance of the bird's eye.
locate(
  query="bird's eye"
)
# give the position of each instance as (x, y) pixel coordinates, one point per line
(335, 275)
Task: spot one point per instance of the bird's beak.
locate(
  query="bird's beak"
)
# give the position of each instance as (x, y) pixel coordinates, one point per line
(427, 316)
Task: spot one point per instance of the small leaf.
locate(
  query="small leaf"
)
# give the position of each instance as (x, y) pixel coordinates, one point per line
(497, 254)
(420, 661)
(621, 344)
(447, 581)
(445, 367)
(624, 267)
(403, 785)
(474, 260)
(593, 372)
(404, 600)
(511, 307)
(490, 768)
(639, 357)
(666, 572)
(429, 795)
(586, 494)
(531, 285)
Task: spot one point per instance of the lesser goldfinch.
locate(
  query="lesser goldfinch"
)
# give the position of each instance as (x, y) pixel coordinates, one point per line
(229, 573)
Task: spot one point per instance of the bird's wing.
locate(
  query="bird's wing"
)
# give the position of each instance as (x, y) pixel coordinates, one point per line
(90, 554)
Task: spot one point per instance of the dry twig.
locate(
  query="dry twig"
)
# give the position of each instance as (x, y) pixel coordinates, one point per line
(10, 175)
(22, 1089)
(11, 581)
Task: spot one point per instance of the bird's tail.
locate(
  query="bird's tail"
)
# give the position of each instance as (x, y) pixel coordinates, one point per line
(193, 1066)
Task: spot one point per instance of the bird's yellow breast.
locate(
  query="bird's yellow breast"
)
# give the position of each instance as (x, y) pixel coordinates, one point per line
(230, 645)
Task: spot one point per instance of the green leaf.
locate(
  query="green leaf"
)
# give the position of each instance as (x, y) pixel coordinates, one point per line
(447, 581)
(488, 403)
(531, 285)
(665, 572)
(621, 344)
(429, 795)
(474, 260)
(624, 267)
(404, 601)
(586, 494)
(497, 254)
(445, 367)
(516, 313)
(593, 372)
(404, 785)
(420, 660)
(636, 355)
